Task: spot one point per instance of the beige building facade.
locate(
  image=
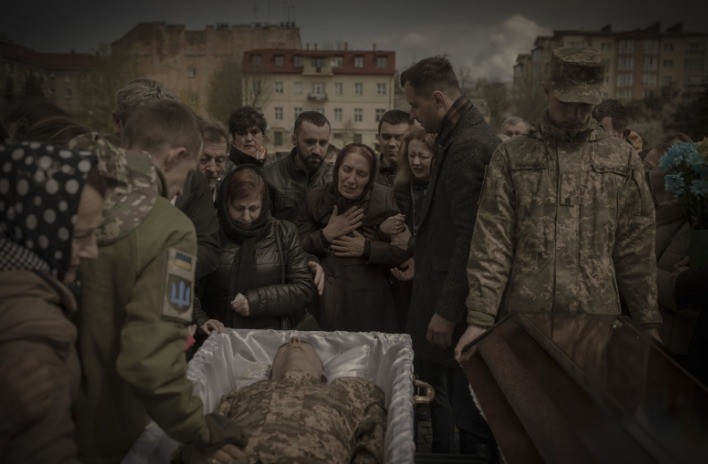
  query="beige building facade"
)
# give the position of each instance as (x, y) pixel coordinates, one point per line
(670, 64)
(352, 88)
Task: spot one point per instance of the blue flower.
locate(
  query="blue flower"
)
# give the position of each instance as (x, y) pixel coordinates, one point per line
(674, 183)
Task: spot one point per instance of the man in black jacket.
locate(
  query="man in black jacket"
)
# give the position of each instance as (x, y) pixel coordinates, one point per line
(443, 233)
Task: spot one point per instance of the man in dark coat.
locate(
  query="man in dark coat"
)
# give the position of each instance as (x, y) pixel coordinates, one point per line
(443, 232)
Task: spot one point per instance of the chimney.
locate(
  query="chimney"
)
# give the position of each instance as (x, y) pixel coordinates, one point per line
(315, 45)
(374, 46)
(346, 45)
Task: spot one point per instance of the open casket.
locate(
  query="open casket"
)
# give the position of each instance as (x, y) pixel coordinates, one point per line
(237, 357)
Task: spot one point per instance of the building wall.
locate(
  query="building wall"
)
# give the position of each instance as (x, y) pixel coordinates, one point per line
(185, 60)
(352, 99)
(671, 64)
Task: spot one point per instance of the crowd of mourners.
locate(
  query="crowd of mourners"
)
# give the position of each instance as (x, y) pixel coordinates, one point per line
(121, 253)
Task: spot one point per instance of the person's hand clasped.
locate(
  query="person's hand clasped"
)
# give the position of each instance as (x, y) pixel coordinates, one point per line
(349, 246)
(318, 276)
(240, 305)
(342, 224)
(405, 271)
(212, 325)
(393, 225)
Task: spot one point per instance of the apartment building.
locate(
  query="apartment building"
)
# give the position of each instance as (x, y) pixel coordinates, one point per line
(58, 76)
(353, 88)
(670, 64)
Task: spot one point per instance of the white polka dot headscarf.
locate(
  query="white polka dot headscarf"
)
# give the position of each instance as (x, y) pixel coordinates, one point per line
(40, 189)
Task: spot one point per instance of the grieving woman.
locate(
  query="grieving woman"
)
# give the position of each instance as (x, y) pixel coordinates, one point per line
(50, 205)
(263, 281)
(340, 224)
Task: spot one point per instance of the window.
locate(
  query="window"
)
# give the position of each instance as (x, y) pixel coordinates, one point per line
(358, 89)
(358, 61)
(381, 88)
(337, 61)
(693, 64)
(318, 89)
(256, 60)
(338, 88)
(651, 46)
(256, 87)
(381, 61)
(297, 61)
(358, 115)
(317, 62)
(668, 63)
(625, 63)
(606, 46)
(279, 60)
(191, 72)
(625, 80)
(649, 80)
(297, 88)
(379, 113)
(695, 47)
(650, 63)
(279, 87)
(337, 115)
(624, 94)
(297, 111)
(278, 113)
(626, 46)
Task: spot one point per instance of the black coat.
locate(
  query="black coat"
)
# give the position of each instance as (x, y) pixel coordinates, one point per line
(283, 283)
(357, 295)
(443, 235)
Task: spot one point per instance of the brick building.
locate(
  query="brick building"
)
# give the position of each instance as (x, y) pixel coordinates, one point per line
(353, 88)
(58, 76)
(671, 64)
(185, 60)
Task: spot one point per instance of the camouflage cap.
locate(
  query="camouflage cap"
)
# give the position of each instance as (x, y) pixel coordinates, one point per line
(132, 181)
(577, 75)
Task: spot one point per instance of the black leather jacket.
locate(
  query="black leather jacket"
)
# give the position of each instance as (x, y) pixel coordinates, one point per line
(289, 184)
(283, 283)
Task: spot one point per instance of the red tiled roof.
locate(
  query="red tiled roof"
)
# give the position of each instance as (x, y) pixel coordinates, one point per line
(10, 50)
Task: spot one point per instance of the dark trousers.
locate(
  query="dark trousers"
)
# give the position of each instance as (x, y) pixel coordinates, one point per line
(453, 407)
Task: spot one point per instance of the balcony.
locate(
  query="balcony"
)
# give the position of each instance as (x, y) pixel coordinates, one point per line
(317, 97)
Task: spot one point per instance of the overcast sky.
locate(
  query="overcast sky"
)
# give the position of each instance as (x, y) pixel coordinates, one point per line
(484, 35)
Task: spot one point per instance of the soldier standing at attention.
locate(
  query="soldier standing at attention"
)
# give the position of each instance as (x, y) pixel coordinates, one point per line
(565, 220)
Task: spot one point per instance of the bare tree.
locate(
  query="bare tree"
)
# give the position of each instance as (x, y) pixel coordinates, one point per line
(225, 90)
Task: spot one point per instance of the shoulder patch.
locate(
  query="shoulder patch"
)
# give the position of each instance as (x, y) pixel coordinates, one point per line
(179, 285)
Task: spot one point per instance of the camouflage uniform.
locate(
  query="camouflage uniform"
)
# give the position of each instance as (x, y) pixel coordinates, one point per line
(300, 419)
(566, 221)
(135, 305)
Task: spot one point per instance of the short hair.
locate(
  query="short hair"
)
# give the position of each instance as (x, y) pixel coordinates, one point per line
(395, 117)
(163, 124)
(244, 118)
(614, 109)
(244, 182)
(213, 131)
(431, 74)
(138, 93)
(403, 171)
(313, 117)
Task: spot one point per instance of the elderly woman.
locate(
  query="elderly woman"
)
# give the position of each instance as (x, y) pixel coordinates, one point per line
(263, 281)
(340, 223)
(51, 204)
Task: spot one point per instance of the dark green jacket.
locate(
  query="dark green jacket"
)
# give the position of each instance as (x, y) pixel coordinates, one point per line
(132, 353)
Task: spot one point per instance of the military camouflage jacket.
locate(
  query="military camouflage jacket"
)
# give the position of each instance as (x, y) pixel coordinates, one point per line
(565, 224)
(300, 419)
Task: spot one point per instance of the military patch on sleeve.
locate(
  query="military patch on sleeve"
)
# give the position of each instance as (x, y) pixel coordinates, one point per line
(179, 285)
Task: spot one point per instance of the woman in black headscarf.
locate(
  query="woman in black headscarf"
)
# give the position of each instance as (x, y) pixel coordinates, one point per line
(340, 224)
(51, 201)
(263, 281)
